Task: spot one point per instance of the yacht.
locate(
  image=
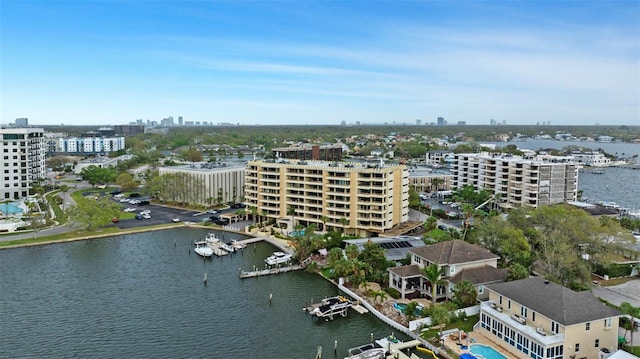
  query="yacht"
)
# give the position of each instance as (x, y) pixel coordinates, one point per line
(367, 351)
(203, 249)
(278, 258)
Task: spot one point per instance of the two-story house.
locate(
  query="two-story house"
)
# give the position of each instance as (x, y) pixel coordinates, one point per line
(541, 319)
(460, 260)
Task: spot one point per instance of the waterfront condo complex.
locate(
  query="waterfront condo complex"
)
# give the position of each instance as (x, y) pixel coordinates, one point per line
(358, 198)
(517, 180)
(23, 160)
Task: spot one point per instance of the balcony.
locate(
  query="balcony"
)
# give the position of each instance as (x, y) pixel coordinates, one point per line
(520, 324)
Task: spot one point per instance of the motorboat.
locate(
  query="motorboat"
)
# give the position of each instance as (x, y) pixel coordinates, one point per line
(330, 306)
(203, 249)
(367, 351)
(227, 247)
(238, 245)
(278, 258)
(211, 238)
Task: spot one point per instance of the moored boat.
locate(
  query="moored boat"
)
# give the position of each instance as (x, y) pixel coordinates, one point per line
(203, 249)
(278, 258)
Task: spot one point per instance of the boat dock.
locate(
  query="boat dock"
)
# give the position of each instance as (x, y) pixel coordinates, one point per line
(260, 273)
(395, 348)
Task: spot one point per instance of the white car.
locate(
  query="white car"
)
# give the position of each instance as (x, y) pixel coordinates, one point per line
(212, 211)
(146, 216)
(124, 200)
(175, 219)
(129, 209)
(119, 195)
(135, 201)
(145, 212)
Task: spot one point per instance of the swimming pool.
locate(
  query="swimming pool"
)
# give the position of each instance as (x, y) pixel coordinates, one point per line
(10, 208)
(486, 352)
(299, 233)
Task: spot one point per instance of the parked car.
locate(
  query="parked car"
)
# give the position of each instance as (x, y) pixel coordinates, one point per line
(442, 227)
(238, 205)
(115, 220)
(138, 216)
(221, 221)
(129, 209)
(212, 211)
(146, 216)
(175, 219)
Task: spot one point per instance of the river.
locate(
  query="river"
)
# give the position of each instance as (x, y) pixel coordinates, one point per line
(142, 296)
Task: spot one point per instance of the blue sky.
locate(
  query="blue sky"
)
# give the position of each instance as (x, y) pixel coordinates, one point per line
(320, 62)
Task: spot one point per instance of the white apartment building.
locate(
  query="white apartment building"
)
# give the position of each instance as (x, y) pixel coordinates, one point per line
(356, 198)
(23, 161)
(91, 144)
(220, 180)
(595, 159)
(518, 181)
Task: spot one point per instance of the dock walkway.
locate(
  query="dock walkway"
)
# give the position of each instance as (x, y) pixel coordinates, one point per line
(260, 273)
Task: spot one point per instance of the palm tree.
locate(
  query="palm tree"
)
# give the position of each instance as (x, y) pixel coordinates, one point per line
(324, 220)
(440, 317)
(435, 183)
(465, 293)
(345, 222)
(291, 211)
(633, 312)
(434, 274)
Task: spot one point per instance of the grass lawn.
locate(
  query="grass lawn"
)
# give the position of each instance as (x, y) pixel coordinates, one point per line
(464, 325)
(60, 217)
(636, 350)
(81, 234)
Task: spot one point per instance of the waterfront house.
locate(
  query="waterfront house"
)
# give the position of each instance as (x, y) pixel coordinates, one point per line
(541, 319)
(461, 261)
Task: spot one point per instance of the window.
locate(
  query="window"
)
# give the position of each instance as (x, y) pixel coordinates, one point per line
(577, 347)
(587, 326)
(533, 316)
(607, 323)
(480, 289)
(554, 327)
(523, 311)
(597, 343)
(452, 269)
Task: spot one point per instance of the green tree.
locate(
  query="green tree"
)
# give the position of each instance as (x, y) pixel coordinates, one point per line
(517, 271)
(633, 312)
(434, 274)
(91, 214)
(440, 317)
(465, 294)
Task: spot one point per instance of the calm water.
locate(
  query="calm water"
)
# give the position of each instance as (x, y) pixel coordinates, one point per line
(142, 295)
(620, 185)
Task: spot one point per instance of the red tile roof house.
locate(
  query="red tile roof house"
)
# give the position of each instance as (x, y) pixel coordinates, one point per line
(461, 261)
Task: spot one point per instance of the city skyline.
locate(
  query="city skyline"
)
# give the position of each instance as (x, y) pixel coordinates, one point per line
(308, 62)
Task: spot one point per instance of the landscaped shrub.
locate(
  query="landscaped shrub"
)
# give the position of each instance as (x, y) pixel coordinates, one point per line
(613, 270)
(393, 293)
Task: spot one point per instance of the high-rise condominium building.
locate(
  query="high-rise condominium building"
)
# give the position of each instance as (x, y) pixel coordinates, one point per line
(518, 181)
(357, 198)
(23, 161)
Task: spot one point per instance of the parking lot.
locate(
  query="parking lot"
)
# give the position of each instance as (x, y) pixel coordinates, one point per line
(161, 214)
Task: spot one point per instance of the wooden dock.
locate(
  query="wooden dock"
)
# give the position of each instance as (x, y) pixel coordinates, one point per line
(260, 273)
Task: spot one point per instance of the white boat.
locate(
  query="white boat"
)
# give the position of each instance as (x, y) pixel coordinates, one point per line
(226, 247)
(211, 238)
(238, 245)
(203, 249)
(367, 351)
(278, 258)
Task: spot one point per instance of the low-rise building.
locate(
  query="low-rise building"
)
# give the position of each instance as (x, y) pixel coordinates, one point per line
(223, 182)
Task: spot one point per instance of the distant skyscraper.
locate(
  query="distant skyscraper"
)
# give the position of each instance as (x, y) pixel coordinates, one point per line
(22, 122)
(180, 120)
(440, 121)
(418, 122)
